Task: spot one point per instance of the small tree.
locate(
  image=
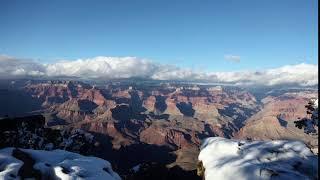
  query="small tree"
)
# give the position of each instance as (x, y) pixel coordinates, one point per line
(310, 123)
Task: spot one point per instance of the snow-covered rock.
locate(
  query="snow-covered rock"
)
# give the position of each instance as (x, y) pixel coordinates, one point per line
(30, 133)
(56, 164)
(245, 160)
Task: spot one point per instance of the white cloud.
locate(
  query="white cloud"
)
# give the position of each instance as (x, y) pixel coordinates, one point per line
(10, 66)
(302, 74)
(232, 58)
(103, 67)
(126, 67)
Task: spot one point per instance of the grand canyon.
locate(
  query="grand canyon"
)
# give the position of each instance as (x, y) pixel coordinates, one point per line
(159, 125)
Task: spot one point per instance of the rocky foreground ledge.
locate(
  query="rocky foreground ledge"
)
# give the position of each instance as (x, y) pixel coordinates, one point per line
(57, 164)
(226, 159)
(30, 150)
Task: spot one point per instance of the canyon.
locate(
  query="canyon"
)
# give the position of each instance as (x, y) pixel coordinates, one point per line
(165, 123)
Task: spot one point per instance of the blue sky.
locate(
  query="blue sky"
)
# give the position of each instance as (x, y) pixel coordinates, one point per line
(192, 34)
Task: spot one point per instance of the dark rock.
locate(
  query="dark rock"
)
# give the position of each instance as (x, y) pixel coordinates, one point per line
(32, 122)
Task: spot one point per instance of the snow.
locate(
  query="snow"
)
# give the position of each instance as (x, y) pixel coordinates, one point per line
(136, 168)
(315, 113)
(26, 135)
(243, 160)
(315, 103)
(8, 164)
(59, 164)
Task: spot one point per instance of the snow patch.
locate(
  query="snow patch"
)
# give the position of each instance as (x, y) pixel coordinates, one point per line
(136, 168)
(243, 160)
(59, 164)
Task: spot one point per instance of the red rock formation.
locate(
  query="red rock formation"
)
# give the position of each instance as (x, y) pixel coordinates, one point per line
(149, 103)
(95, 96)
(165, 136)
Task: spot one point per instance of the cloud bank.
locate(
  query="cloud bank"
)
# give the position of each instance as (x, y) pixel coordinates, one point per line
(127, 67)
